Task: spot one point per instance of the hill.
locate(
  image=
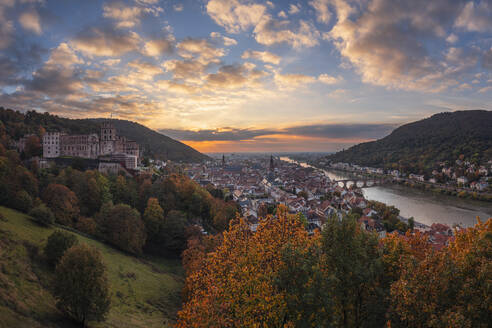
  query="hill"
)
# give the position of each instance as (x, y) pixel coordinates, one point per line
(145, 292)
(418, 146)
(155, 144)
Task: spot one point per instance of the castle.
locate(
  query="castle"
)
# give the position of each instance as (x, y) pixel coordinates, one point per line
(107, 144)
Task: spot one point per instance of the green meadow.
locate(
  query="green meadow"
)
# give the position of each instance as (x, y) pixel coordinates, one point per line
(146, 292)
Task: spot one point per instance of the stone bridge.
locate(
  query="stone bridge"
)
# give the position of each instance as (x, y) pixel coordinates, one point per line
(360, 183)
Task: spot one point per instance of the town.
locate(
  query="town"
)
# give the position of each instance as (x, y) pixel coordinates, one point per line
(461, 176)
(259, 184)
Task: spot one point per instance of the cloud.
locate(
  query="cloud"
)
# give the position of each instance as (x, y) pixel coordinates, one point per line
(387, 43)
(476, 17)
(64, 56)
(105, 42)
(226, 40)
(328, 79)
(452, 38)
(189, 70)
(124, 16)
(31, 21)
(55, 81)
(264, 56)
(234, 76)
(6, 30)
(270, 31)
(294, 9)
(290, 81)
(282, 14)
(178, 7)
(235, 15)
(323, 14)
(331, 131)
(158, 47)
(129, 16)
(487, 59)
(201, 49)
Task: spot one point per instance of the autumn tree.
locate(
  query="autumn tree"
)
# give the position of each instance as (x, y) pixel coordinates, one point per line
(122, 226)
(236, 284)
(63, 202)
(447, 288)
(58, 242)
(81, 285)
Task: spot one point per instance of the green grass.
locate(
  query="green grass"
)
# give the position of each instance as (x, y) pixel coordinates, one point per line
(145, 291)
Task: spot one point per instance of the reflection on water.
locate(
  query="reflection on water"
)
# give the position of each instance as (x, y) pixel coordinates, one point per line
(426, 207)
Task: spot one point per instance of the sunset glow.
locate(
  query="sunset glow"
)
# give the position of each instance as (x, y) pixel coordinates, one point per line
(246, 69)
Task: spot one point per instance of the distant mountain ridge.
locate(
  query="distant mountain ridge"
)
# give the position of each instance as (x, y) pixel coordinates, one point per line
(419, 145)
(154, 144)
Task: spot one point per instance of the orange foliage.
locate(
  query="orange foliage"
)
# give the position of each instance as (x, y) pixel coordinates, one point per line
(233, 286)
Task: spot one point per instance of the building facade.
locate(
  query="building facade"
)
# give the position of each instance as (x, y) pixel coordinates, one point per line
(107, 143)
(51, 144)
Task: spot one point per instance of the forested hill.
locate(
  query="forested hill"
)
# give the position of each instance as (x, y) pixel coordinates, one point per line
(154, 144)
(420, 145)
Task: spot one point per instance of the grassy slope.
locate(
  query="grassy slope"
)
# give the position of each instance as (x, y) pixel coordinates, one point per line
(145, 293)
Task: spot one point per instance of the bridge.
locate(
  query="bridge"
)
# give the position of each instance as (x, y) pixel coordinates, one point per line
(360, 183)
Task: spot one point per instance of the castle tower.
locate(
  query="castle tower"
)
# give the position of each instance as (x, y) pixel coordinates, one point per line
(108, 138)
(108, 131)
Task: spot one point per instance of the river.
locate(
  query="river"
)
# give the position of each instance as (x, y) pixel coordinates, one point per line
(425, 206)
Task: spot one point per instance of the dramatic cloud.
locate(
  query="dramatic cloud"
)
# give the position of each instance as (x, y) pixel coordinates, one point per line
(106, 42)
(387, 43)
(331, 131)
(235, 15)
(31, 21)
(264, 56)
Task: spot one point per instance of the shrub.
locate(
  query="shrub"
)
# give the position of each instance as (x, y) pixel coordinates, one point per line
(22, 201)
(58, 243)
(42, 214)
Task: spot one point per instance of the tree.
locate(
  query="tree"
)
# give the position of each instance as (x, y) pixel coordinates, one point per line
(63, 202)
(173, 232)
(42, 214)
(352, 259)
(447, 288)
(122, 226)
(81, 285)
(153, 218)
(58, 243)
(235, 285)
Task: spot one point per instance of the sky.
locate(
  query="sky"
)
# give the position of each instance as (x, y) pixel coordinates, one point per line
(249, 75)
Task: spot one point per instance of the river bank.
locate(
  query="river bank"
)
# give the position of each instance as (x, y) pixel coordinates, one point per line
(424, 206)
